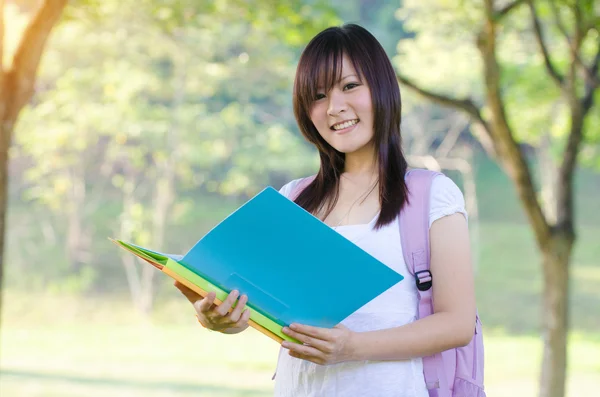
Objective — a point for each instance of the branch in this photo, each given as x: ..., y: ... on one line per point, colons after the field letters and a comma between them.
x: 1, y: 41
x: 438, y: 163
x: 594, y: 22
x: 574, y: 45
x: 510, y: 154
x: 464, y: 105
x: 564, y: 219
x: 559, y: 22
x: 3, y: 96
x: 593, y: 81
x: 21, y: 75
x: 579, y: 110
x: 498, y: 15
x: 452, y: 136
x: 558, y: 79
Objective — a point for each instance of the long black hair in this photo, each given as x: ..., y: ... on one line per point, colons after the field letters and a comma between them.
x: 321, y: 60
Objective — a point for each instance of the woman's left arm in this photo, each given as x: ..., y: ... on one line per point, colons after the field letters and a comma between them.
x: 451, y: 325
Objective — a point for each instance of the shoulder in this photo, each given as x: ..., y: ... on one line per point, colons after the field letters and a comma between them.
x: 290, y: 188
x: 445, y: 199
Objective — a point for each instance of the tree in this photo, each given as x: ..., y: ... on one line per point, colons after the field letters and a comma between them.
x: 435, y: 143
x: 190, y: 105
x: 569, y: 81
x: 17, y: 83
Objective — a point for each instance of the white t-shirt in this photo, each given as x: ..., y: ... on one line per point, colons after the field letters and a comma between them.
x: 395, y: 307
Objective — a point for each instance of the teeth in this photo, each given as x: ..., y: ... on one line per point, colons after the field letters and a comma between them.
x: 345, y: 125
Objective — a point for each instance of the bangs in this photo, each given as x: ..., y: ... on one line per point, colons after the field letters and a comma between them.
x: 327, y: 71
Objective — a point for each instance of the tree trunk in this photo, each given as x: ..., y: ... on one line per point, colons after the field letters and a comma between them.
x: 127, y: 229
x: 78, y: 239
x: 547, y: 170
x: 6, y: 129
x: 553, y: 226
x: 164, y: 188
x: 16, y: 88
x: 555, y: 320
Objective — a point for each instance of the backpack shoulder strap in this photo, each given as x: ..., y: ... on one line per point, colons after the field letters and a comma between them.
x: 414, y: 234
x: 414, y: 223
x: 414, y: 237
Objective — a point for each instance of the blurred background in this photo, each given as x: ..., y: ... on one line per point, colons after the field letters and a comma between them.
x: 151, y: 120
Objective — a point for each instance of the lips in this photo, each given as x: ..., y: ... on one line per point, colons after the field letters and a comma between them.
x: 346, y: 130
x: 342, y: 125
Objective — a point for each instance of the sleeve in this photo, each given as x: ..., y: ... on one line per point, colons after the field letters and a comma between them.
x: 446, y: 199
x: 287, y: 189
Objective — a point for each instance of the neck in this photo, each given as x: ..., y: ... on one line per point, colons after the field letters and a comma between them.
x: 361, y: 163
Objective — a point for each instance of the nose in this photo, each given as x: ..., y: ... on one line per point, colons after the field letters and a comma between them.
x: 337, y: 103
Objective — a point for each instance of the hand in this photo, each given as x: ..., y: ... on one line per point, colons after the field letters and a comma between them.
x: 218, y: 317
x: 324, y: 346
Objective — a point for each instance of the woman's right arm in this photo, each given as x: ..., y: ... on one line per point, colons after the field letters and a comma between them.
x: 218, y: 317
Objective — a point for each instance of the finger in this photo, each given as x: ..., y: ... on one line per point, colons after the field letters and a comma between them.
x: 191, y: 295
x: 313, y: 332
x: 244, y: 318
x: 239, y: 308
x: 224, y: 307
x: 306, y: 353
x: 305, y: 339
x: 203, y: 306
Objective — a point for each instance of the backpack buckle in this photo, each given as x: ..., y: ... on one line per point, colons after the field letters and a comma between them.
x: 424, y: 280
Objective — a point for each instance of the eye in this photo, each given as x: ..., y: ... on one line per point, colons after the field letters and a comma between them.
x: 351, y: 85
x: 319, y: 96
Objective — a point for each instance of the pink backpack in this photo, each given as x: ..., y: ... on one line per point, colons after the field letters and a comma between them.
x: 456, y: 372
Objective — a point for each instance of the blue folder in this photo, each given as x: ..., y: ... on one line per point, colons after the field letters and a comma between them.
x: 292, y: 266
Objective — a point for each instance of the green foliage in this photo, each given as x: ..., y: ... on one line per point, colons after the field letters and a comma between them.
x: 129, y: 92
x: 443, y: 55
x: 134, y: 92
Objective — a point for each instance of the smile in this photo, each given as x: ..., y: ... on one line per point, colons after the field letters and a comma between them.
x: 345, y: 126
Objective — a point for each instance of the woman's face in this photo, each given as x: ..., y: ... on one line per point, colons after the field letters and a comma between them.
x: 344, y: 115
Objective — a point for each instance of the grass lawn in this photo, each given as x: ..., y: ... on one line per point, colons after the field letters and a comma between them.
x: 52, y: 345
x: 99, y: 360
x: 509, y: 279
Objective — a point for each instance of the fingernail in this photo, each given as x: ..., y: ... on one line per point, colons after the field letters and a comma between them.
x: 235, y: 293
x: 285, y: 329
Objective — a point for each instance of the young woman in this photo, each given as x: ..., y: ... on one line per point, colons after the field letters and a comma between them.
x: 347, y: 103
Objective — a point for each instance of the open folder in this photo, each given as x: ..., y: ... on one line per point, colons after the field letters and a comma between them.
x: 292, y: 266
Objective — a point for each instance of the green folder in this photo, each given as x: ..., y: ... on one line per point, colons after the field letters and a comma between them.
x: 170, y: 266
